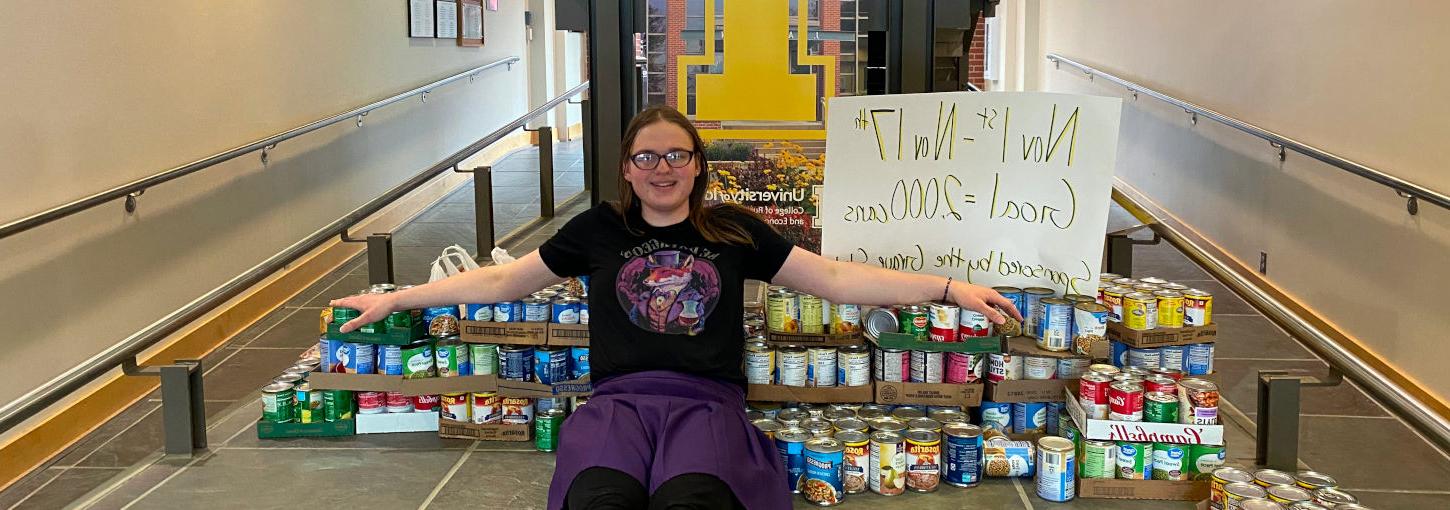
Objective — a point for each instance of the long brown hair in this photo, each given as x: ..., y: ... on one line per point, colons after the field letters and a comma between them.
x: 719, y: 223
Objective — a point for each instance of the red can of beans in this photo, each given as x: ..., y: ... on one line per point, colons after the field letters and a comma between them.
x: 1125, y: 401
x: 1161, y: 383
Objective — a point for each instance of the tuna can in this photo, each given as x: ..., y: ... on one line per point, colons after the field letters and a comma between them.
x: 417, y: 360
x: 441, y: 320
x: 878, y: 321
x: 371, y: 402
x: 1198, y: 359
x: 1160, y: 407
x: 478, y: 312
x: 551, y: 364
x: 1313, y: 480
x: 1072, y: 368
x: 1197, y: 307
x: 962, y: 368
x: 1135, y: 460
x: 782, y: 312
x: 942, y: 322
x: 973, y: 324
x: 507, y: 312
x: 791, y: 445
x: 309, y: 403
x: 565, y: 310
x: 1125, y: 401
x: 357, y: 358
x: 926, y: 367
x: 822, y: 483
x: 517, y: 411
x: 1170, y: 308
x: 1029, y: 417
x: 1018, y: 297
x: 913, y: 321
x: 1033, y: 312
x: 1140, y: 311
x: 923, y: 455
x: 1054, y: 326
x: 452, y: 358
x: 768, y: 427
x: 279, y: 403
x: 337, y: 405
x: 855, y: 460
x: 791, y: 363
x: 1005, y: 458
x: 390, y: 359
x: 1203, y: 459
x: 812, y: 310
x: 887, y: 463
x: 845, y: 319
x: 1272, y: 477
x: 1334, y: 498
x: 546, y: 429
x: 1168, y: 461
x: 1160, y: 383
x: 1112, y: 298
x: 516, y: 363
x: 1099, y: 459
x: 1089, y: 328
x: 1235, y: 494
x: 536, y: 309
x: 892, y: 365
x: 397, y: 402
x: 1220, y: 478
x: 821, y: 369
x: 451, y: 406
x: 818, y: 427
x: 759, y: 363
x: 1003, y: 367
x: 996, y: 415
x: 1148, y: 357
x: 1056, y: 469
x: 853, y: 366
x: 1288, y: 494
x: 484, y: 358
x: 487, y: 407
x: 1198, y: 401
x: 1039, y: 368
x: 962, y: 452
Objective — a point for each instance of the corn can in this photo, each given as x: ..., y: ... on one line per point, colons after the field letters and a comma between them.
x: 1170, y: 308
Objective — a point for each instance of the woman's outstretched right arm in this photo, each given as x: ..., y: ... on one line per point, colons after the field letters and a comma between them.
x: 489, y: 284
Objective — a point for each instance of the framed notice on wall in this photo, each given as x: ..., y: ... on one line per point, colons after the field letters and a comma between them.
x: 420, y: 18
x: 447, y: 13
x: 470, y: 23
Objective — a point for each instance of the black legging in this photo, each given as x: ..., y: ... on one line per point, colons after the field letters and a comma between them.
x: 600, y: 488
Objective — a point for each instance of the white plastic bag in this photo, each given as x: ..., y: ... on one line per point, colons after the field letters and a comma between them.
x: 501, y: 256
x: 455, y: 260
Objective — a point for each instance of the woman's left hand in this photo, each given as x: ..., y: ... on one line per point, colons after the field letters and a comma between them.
x: 984, y: 300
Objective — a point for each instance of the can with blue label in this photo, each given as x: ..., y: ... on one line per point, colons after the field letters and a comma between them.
x: 543, y: 404
x: 1197, y: 359
x: 791, y: 443
x: 536, y: 309
x: 578, y: 362
x: 507, y: 312
x: 1054, y: 418
x: 821, y: 483
x: 996, y: 415
x: 1149, y: 358
x: 962, y: 451
x: 565, y: 311
x: 1029, y: 417
x: 1118, y: 353
x: 551, y: 364
x: 1056, y: 469
x: 441, y: 320
x: 1172, y: 356
x: 1034, y: 312
x: 584, y: 310
x: 358, y: 358
x: 1019, y: 298
x: 390, y: 359
x: 327, y: 351
x: 516, y: 362
x: 478, y: 312
x: 1054, y: 327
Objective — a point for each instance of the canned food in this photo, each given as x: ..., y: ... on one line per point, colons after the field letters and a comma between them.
x: 565, y: 310
x: 484, y: 358
x: 547, y: 294
x: 516, y: 362
x: 452, y: 358
x: 551, y: 364
x: 791, y: 443
x: 818, y: 427
x: 1140, y: 311
x: 1089, y: 328
x: 1056, y: 480
x: 1005, y: 458
x: 1287, y: 494
x: 853, y: 366
x: 782, y: 312
x: 1261, y: 504
x: 1313, y: 480
x: 892, y: 365
x: 371, y: 402
x: 356, y: 358
x: 1018, y: 297
x: 759, y: 363
x: 924, y: 424
x: 822, y: 483
x: 1099, y: 459
x: 1033, y: 312
x: 1118, y: 353
x: 768, y: 426
x: 1029, y: 417
x: 1135, y: 460
x: 1197, y: 307
x: 537, y: 309
x: 1160, y: 407
x: 1199, y: 402
x: 926, y: 367
x: 397, y: 402
x: 1235, y: 494
x: 1203, y: 459
x: 908, y: 413
x: 1272, y: 477
x: 1039, y: 368
x: 845, y: 319
x: 792, y: 417
x: 390, y: 359
x: 1310, y: 505
x: 279, y: 403
x: 478, y: 312
x: 1103, y: 369
x: 973, y: 324
x: 1198, y: 359
x: 337, y: 405
x: 942, y: 322
x: 1160, y: 383
x: 791, y: 363
x: 517, y: 411
x: 1334, y: 498
x: 451, y: 406
x: 546, y: 429
x: 1004, y: 367
x: 508, y: 312
x: 578, y: 362
x: 1171, y: 356
x: 1147, y: 288
x: 584, y: 310
x: 850, y: 423
x: 1055, y: 417
x: 996, y: 415
x: 923, y: 452
x: 855, y: 459
x: 962, y: 451
x: 1072, y: 368
x: 1112, y: 298
x: 290, y: 378
x: 821, y: 368
x: 1221, y: 477
x: 1170, y: 308
x: 1145, y: 357
x: 962, y: 367
x: 441, y: 320
x: 1054, y: 326
x: 888, y: 463
x: 880, y: 320
x: 1125, y: 401
x: 309, y: 403
x: 870, y: 412
x: 913, y: 321
x: 945, y: 416
x: 486, y: 407
x: 1168, y: 461
x: 342, y: 315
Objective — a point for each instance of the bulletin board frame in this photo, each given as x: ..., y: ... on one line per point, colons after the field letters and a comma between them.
x: 471, y: 22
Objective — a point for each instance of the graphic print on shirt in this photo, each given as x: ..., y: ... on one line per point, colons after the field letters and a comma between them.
x: 668, y: 291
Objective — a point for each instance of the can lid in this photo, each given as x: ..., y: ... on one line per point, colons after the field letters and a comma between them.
x: 1153, y: 280
x: 1316, y: 479
x: 793, y: 435
x: 1290, y: 493
x: 1196, y: 293
x: 288, y: 378
x: 852, y: 423
x: 1055, y: 444
x: 536, y: 300
x: 1245, y: 490
x: 767, y: 424
x: 922, y: 435
x: 1334, y: 497
x: 1161, y: 397
x: 1127, y: 386
x: 1139, y: 296
x: 303, y: 387
x: 1038, y: 291
x: 946, y: 416
x: 835, y: 413
x: 1093, y: 307
x: 551, y: 413
x: 959, y: 429
x: 1196, y: 384
x: 907, y: 413
x: 851, y: 436
x: 886, y: 436
x: 814, y: 424
x: 824, y: 445
x: 923, y: 423
x: 1168, y: 294
x: 277, y: 387
x: 1007, y: 289
x: 1259, y: 504
x: 888, y: 424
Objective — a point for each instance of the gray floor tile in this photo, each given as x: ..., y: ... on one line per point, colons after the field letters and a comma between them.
x: 67, y: 488
x: 1388, y: 500
x: 133, y: 486
x: 312, y: 295
x: 499, y: 480
x: 1372, y: 454
x: 299, y: 330
x: 20, y: 489
x: 447, y: 213
x: 262, y: 325
x: 248, y: 370
x: 1164, y: 261
x: 1255, y: 337
x: 521, y: 176
x: 278, y: 478
x: 125, y: 420
x: 435, y: 234
x: 1239, y: 382
x: 408, y: 440
x: 346, y: 286
x: 138, y: 442
x: 516, y: 194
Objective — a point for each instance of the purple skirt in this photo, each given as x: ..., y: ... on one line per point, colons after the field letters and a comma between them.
x: 657, y: 425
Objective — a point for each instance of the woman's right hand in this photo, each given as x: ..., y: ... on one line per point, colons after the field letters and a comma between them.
x: 372, y: 308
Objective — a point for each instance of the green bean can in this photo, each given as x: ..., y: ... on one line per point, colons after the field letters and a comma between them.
x: 1160, y: 407
x: 1099, y: 459
x: 485, y: 358
x: 279, y: 404
x: 403, y: 319
x: 546, y: 429
x: 1170, y: 462
x: 1203, y: 459
x: 1135, y: 460
x: 309, y: 403
x: 336, y: 405
x: 913, y: 321
x: 342, y: 315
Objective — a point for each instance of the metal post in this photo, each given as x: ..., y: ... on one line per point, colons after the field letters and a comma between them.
x: 183, y: 402
x: 1278, y: 421
x: 483, y: 208
x: 380, y: 258
x: 1118, y: 258
x: 546, y: 172
x: 588, y: 150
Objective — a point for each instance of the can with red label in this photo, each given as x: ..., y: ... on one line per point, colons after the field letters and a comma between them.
x: 892, y: 365
x: 1155, y: 382
x: 487, y: 407
x: 914, y: 321
x: 455, y: 406
x: 1093, y: 395
x: 425, y: 403
x: 517, y: 411
x: 926, y: 367
x: 973, y: 324
x: 371, y: 402
x: 1125, y: 401
x: 963, y: 367
x: 942, y: 322
x: 397, y: 402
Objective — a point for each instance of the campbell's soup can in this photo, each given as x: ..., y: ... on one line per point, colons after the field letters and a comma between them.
x: 1093, y: 395
x: 397, y: 402
x: 371, y: 402
x: 973, y: 324
x: 426, y: 403
x: 1162, y: 383
x: 1003, y: 367
x: 926, y: 367
x: 1032, y: 316
x: 1125, y: 401
x: 892, y: 365
x: 853, y: 366
x: 455, y: 406
x: 942, y: 322
x: 517, y: 411
x: 962, y: 367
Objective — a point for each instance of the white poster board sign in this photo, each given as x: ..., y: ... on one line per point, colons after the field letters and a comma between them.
x: 995, y: 188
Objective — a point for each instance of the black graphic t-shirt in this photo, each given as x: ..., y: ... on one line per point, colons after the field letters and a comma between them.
x: 663, y: 298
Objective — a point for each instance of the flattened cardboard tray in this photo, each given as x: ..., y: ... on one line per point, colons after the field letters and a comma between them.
x: 1191, y: 490
x: 269, y: 430
x: 575, y: 388
x: 906, y: 342
x: 1108, y: 430
x: 511, y: 333
x: 572, y: 335
x: 1161, y: 336
x: 1028, y: 390
x: 378, y: 382
x: 1028, y: 346
x: 779, y: 393
x: 392, y: 336
x: 933, y: 394
x: 387, y: 423
x: 810, y: 339
x: 484, y: 432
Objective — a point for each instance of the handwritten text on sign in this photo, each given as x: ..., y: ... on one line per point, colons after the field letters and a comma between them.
x: 997, y: 188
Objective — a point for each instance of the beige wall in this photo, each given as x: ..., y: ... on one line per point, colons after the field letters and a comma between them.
x: 1356, y: 79
x: 99, y: 93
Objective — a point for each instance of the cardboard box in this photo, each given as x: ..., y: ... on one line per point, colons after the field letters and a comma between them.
x: 269, y: 430
x: 1109, y: 430
x: 1028, y: 346
x: 512, y: 333
x: 809, y: 339
x: 484, y: 432
x: 779, y: 393
x: 387, y: 423
x: 1093, y: 488
x: 572, y: 335
x: 427, y: 386
x: 576, y: 388
x: 910, y: 343
x: 1160, y: 337
x: 390, y: 336
x: 932, y: 394
x: 1028, y: 390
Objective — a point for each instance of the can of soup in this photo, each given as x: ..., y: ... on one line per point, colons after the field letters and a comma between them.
x: 962, y: 451
x: 1003, y: 367
x: 892, y: 365
x: 855, y: 459
x: 791, y: 363
x: 791, y: 443
x: 963, y: 367
x: 942, y: 322
x: 1093, y: 395
x: 923, y: 453
x: 441, y: 320
x: 853, y: 366
x: 822, y: 483
x: 484, y: 358
x: 1125, y: 401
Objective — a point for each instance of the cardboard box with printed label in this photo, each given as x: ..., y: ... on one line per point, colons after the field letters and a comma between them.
x: 1108, y: 430
x: 575, y: 388
x: 812, y: 340
x: 1190, y: 490
x: 424, y: 386
x: 932, y: 394
x: 1027, y: 390
x: 571, y: 335
x: 485, y: 432
x: 780, y: 393
x: 511, y: 333
x: 1162, y: 336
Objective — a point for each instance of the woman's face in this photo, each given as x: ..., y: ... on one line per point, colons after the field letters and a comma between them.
x: 664, y: 188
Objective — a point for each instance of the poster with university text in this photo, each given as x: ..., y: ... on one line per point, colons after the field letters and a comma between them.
x: 995, y: 188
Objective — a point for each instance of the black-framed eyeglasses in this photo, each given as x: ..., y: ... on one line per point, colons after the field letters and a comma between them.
x: 647, y: 160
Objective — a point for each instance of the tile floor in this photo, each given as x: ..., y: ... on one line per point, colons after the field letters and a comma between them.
x: 119, y: 466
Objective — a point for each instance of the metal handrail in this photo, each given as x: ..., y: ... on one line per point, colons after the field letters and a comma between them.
x: 57, y: 388
x: 1406, y: 189
x: 140, y: 185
